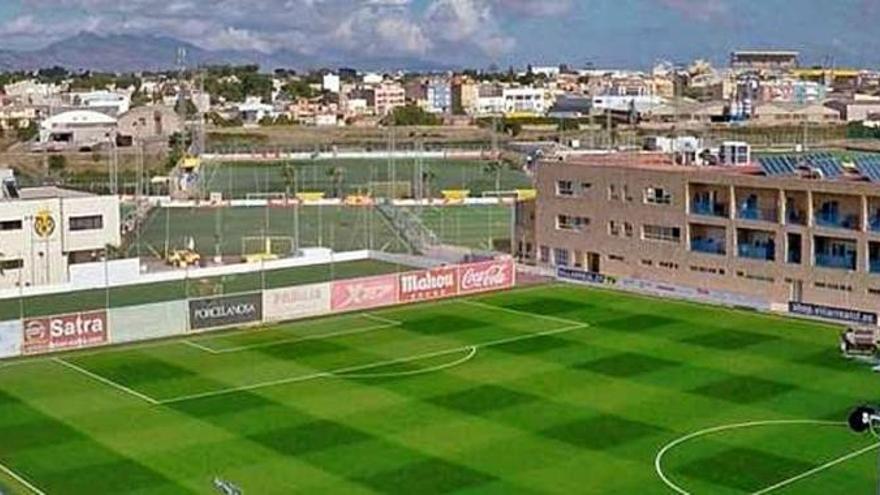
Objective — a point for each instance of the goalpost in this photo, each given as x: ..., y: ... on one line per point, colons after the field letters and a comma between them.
x: 269, y: 247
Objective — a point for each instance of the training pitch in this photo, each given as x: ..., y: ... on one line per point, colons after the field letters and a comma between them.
x: 549, y: 389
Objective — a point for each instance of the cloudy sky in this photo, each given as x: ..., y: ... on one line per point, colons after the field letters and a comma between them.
x: 472, y: 32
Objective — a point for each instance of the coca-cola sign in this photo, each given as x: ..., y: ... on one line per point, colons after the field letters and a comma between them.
x: 363, y: 293
x: 428, y: 284
x: 486, y: 276
x: 225, y: 311
x: 65, y: 332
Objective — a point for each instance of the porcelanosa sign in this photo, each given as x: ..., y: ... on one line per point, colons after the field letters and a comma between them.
x: 225, y: 311
x: 64, y: 332
x: 429, y: 284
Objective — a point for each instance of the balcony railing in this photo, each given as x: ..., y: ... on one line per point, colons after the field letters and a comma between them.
x: 845, y: 262
x: 709, y: 246
x: 709, y: 209
x: 757, y: 252
x: 760, y: 214
x: 847, y: 222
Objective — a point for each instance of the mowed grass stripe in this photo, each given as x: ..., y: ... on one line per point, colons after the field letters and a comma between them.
x: 564, y: 412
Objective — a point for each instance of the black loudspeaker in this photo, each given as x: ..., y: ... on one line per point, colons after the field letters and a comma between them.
x: 860, y: 419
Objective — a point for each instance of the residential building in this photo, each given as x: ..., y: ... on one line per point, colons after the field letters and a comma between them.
x: 387, y: 96
x: 781, y: 232
x: 331, y: 83
x: 77, y: 130
x: 764, y: 60
x: 526, y: 100
x: 439, y: 96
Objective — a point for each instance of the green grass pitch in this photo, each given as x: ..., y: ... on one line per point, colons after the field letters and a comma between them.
x: 553, y: 389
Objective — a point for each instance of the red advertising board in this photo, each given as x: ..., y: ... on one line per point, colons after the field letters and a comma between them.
x: 64, y: 332
x: 364, y: 293
x: 486, y: 276
x: 428, y: 284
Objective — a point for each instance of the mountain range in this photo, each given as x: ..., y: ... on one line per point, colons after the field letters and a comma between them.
x: 133, y: 53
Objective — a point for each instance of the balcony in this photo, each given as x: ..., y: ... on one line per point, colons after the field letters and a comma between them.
x: 764, y: 252
x: 834, y: 220
x: 839, y: 262
x: 837, y: 214
x: 795, y: 217
x: 757, y: 214
x: 709, y: 209
x: 708, y: 246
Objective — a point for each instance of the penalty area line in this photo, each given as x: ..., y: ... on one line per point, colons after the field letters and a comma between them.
x: 21, y: 480
x: 105, y: 380
x: 817, y: 469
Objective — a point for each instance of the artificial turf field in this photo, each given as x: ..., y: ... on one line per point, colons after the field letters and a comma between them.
x: 549, y: 389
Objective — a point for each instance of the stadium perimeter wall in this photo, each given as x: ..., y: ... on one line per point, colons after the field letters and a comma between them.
x: 102, y: 327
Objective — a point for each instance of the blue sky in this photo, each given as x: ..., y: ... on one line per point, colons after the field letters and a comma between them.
x: 473, y: 32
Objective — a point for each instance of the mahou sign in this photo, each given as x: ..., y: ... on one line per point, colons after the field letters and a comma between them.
x: 225, y: 311
x: 485, y: 276
x: 429, y: 284
x: 63, y: 332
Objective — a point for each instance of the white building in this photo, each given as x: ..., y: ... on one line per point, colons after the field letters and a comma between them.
x: 373, y: 78
x: 44, y: 230
x: 490, y: 105
x: 78, y: 130
x: 110, y: 102
x: 525, y: 100
x: 331, y: 83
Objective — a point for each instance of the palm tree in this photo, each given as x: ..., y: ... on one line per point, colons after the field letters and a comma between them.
x: 495, y: 167
x: 337, y: 174
x: 288, y: 173
x: 427, y: 181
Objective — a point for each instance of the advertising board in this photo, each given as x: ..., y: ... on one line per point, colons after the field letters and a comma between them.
x: 224, y: 311
x: 10, y: 338
x: 579, y: 276
x: 363, y: 293
x: 291, y: 303
x: 486, y: 276
x: 65, y: 332
x: 148, y: 321
x: 430, y: 284
x: 832, y: 313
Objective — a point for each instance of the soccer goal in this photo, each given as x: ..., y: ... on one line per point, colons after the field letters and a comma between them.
x: 259, y: 248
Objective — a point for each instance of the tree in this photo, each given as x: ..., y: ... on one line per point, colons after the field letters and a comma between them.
x: 27, y: 133
x: 337, y: 175
x: 57, y: 165
x: 494, y: 168
x: 410, y: 115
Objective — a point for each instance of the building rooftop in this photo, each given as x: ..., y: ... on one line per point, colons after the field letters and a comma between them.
x: 813, y: 166
x: 50, y: 192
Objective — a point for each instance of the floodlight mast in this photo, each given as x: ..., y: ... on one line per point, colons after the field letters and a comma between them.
x: 867, y: 418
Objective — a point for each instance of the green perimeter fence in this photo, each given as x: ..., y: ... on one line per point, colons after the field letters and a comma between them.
x: 221, y: 230
x: 190, y: 287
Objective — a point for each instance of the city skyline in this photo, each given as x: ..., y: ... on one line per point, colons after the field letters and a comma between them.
x: 471, y: 32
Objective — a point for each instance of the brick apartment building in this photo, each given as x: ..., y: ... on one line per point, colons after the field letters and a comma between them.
x: 786, y: 232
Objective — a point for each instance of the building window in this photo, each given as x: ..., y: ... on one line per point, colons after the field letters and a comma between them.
x: 92, y: 222
x: 564, y: 188
x: 567, y: 222
x: 560, y: 257
x: 613, y: 228
x: 585, y: 186
x: 544, y: 254
x: 616, y: 257
x: 612, y: 192
x: 706, y: 269
x: 10, y: 225
x: 11, y: 264
x: 648, y: 262
x: 661, y: 233
x: 668, y: 265
x: 657, y: 196
x: 833, y: 286
x: 755, y: 277
x: 627, y: 229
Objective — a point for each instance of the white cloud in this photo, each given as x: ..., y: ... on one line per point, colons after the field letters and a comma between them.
x: 369, y: 27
